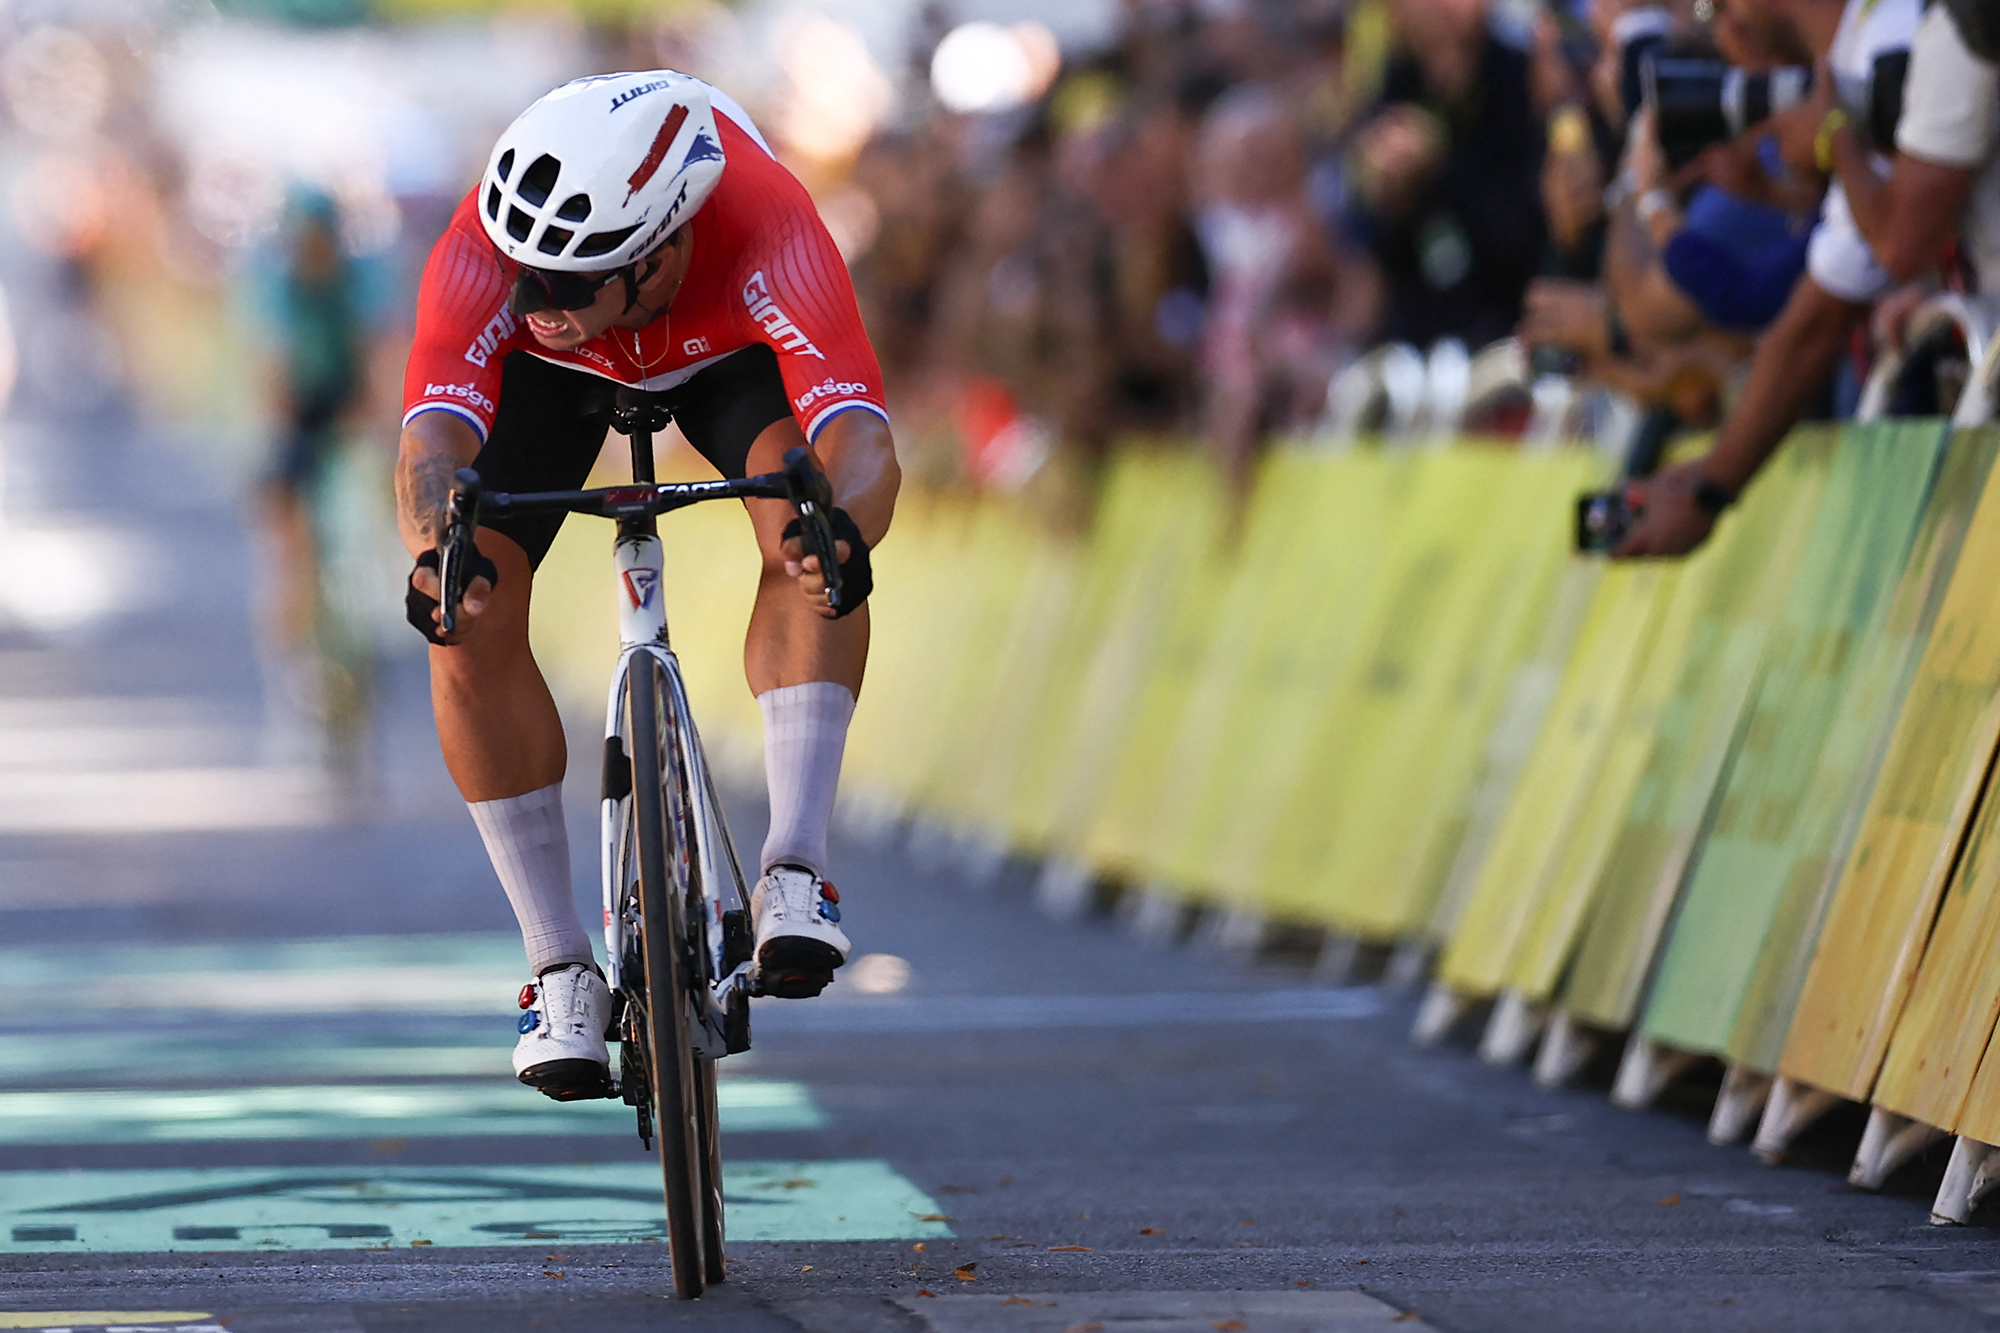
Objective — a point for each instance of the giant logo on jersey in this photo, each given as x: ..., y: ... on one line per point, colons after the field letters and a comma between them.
x: 777, y: 325
x: 498, y: 330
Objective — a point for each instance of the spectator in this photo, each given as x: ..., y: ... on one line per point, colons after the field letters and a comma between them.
x: 1272, y: 341
x: 1797, y: 358
x: 1445, y: 179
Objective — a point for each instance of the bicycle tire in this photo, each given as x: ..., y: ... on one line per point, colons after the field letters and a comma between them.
x: 709, y: 1122
x: 670, y: 1051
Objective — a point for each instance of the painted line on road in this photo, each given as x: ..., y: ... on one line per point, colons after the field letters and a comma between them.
x: 1316, y: 1311
x: 363, y: 1111
x: 1003, y: 1013
x: 256, y: 1209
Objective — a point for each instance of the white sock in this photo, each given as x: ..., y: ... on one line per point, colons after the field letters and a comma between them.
x: 529, y: 845
x: 805, y: 731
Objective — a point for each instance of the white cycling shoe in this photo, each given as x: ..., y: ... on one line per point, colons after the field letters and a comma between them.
x: 799, y: 940
x: 565, y: 1012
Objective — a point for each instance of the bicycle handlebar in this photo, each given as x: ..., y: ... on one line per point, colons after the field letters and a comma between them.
x: 804, y: 485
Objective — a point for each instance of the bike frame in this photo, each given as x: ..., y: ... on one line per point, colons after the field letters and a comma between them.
x: 638, y: 561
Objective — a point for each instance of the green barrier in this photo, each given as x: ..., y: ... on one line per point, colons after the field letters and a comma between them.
x: 1881, y: 476
x: 1562, y: 896
x: 1361, y: 842
x: 1758, y: 548
x: 1883, y: 908
x: 1847, y: 766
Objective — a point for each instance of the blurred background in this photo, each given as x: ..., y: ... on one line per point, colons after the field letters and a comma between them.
x: 1220, y: 225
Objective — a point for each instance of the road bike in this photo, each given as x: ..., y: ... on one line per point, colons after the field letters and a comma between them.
x: 679, y: 946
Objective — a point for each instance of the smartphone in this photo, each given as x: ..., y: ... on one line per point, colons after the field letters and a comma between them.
x: 1602, y: 520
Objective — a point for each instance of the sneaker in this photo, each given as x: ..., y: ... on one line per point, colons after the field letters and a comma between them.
x: 799, y: 940
x: 564, y: 1014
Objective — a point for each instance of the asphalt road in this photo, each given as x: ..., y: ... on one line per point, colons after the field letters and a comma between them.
x: 253, y: 1067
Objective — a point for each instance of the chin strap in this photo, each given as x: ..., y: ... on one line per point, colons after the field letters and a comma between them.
x: 632, y: 284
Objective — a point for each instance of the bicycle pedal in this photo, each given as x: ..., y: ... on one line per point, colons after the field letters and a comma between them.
x: 793, y: 985
x: 571, y: 1080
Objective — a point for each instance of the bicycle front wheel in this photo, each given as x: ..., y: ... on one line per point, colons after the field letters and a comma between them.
x: 677, y: 1103
x: 709, y: 1139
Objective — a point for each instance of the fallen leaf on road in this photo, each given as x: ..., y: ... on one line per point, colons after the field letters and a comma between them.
x: 1003, y: 1238
x: 1023, y: 1300
x: 1360, y: 1261
x: 1301, y: 1282
x: 1230, y: 1325
x: 807, y: 1269
x: 553, y: 1272
x: 1670, y: 1201
x: 1247, y: 1222
x: 1149, y: 1231
x: 1069, y: 1249
x: 554, y: 1258
x: 964, y: 1273
x: 918, y: 1246
x: 1092, y: 1327
x: 419, y: 1242
x: 922, y: 1292
x: 933, y: 1217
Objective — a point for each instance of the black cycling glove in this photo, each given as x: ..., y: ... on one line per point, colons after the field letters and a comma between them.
x: 857, y: 578
x: 421, y: 608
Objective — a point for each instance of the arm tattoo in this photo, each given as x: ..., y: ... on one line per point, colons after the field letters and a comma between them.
x: 427, y: 491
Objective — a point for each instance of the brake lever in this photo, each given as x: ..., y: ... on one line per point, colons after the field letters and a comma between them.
x: 454, y: 552
x: 812, y: 495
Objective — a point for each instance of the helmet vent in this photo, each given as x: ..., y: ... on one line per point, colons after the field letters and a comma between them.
x: 538, y: 180
x: 506, y: 164
x: 493, y: 202
x: 519, y: 224
x: 575, y: 208
x: 603, y: 242
x: 553, y: 240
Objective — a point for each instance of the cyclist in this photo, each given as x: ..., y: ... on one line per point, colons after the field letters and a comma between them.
x: 635, y: 229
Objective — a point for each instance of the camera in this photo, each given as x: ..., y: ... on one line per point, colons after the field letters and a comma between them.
x: 1698, y: 103
x: 1602, y: 520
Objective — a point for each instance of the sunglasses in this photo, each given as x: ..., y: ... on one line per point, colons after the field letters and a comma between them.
x: 538, y: 289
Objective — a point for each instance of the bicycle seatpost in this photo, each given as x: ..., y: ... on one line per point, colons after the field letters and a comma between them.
x: 637, y: 414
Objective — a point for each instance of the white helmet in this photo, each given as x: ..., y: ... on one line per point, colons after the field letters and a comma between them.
x: 598, y: 172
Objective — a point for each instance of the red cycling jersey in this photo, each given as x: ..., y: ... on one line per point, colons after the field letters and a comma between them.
x: 764, y: 271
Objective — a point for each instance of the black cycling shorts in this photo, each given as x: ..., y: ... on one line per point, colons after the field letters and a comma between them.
x: 552, y: 420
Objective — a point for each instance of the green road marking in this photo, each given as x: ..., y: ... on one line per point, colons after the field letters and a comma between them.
x: 363, y: 1111
x: 129, y: 1056
x: 306, y: 1208
x: 436, y: 974
x: 181, y: 1321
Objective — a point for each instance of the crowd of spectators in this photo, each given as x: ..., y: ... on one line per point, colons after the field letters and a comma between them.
x: 1195, y: 229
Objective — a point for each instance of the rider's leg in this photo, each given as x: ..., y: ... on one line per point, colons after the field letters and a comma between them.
x: 503, y: 743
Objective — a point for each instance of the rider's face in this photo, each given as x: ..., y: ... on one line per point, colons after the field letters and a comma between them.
x: 659, y: 279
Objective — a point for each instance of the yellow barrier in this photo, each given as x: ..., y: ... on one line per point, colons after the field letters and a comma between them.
x: 1385, y: 700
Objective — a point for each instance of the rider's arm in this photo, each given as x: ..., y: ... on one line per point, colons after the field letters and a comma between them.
x: 859, y: 457
x: 435, y: 445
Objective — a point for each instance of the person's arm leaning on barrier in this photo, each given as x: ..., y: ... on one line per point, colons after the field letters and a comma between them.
x: 1946, y: 135
x: 1794, y: 361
